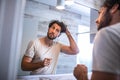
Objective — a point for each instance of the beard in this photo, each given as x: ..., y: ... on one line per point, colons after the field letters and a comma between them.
x: 106, y: 19
x: 51, y: 36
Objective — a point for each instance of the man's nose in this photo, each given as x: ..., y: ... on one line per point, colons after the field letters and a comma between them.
x: 53, y: 30
x: 96, y: 20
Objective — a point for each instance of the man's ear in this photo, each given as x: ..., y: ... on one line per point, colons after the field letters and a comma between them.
x: 114, y: 8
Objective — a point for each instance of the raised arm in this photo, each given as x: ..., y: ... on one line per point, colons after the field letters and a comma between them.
x: 73, y: 48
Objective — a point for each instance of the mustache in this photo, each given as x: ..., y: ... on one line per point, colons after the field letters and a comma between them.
x: 51, y: 33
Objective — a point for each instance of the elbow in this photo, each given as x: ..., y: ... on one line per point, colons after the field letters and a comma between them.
x: 23, y: 67
x: 76, y: 51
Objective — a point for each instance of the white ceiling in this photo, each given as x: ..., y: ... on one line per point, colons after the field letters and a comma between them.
x: 78, y: 6
x: 95, y: 4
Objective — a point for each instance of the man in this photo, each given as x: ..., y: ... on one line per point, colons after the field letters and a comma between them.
x: 42, y: 54
x: 106, y: 50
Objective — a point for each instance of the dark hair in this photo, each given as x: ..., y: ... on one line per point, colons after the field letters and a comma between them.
x: 110, y: 3
x: 61, y: 24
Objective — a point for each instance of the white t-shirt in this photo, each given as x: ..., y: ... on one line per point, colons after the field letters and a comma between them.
x: 38, y: 52
x: 106, y: 50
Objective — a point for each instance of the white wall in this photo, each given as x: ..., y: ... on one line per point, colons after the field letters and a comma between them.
x: 11, y: 14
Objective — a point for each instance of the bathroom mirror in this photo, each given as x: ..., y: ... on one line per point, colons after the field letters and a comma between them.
x: 38, y: 14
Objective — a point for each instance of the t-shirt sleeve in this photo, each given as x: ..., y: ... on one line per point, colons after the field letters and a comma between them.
x: 30, y: 51
x: 104, y: 56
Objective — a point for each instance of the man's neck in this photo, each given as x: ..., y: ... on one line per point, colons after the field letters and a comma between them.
x: 48, y: 42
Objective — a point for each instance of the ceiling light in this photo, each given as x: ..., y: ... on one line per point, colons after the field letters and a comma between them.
x: 60, y: 4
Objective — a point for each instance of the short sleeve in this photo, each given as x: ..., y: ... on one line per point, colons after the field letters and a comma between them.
x: 30, y: 51
x: 105, y: 54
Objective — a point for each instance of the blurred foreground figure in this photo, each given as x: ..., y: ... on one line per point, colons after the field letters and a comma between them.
x: 106, y: 50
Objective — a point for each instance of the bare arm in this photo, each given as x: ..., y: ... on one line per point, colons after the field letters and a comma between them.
x: 27, y: 64
x: 97, y: 75
x: 73, y: 48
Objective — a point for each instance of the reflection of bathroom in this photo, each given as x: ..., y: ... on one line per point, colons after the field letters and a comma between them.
x: 37, y: 14
x: 36, y: 18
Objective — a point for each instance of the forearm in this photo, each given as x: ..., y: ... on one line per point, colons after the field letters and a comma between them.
x: 31, y: 66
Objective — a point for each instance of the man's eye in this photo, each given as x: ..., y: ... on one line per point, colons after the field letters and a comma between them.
x: 53, y: 27
x: 58, y: 30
